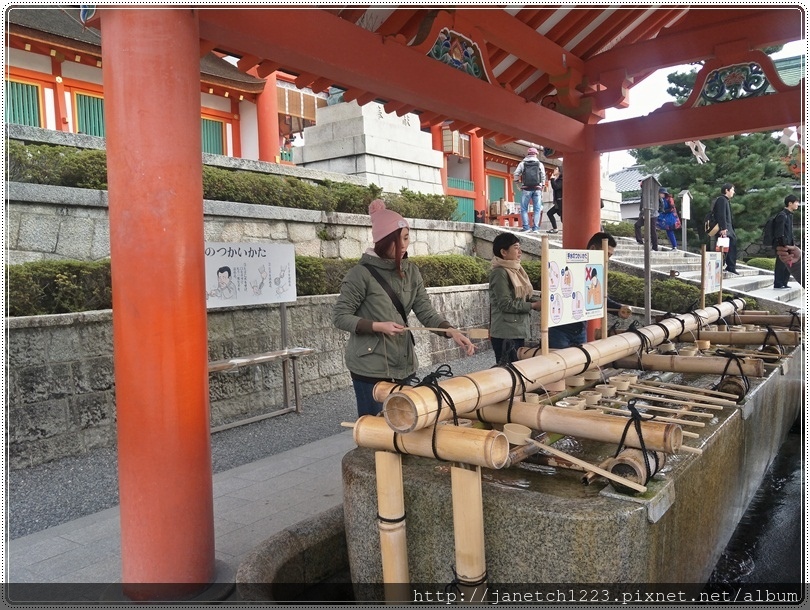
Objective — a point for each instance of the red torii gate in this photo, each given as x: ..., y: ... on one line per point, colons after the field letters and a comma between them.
x: 156, y: 229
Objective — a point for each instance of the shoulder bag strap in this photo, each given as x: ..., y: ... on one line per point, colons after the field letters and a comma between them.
x: 391, y: 294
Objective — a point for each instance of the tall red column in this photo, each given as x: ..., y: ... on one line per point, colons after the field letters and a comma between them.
x: 478, y: 172
x: 152, y: 113
x: 582, y: 187
x: 267, y: 120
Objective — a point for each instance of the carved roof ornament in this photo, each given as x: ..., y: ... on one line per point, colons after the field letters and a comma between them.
x: 735, y: 76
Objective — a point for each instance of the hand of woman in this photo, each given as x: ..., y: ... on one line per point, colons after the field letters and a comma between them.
x: 537, y: 305
x: 388, y: 328
x: 461, y: 340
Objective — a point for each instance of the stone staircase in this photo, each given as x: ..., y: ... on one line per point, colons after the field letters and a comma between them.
x: 629, y: 257
x: 750, y: 281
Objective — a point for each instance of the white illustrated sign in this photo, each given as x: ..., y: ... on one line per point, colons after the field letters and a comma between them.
x: 713, y: 267
x: 576, y: 285
x: 249, y: 274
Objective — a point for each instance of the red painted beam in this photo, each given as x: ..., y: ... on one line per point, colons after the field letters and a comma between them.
x: 365, y: 61
x: 769, y: 27
x: 766, y: 113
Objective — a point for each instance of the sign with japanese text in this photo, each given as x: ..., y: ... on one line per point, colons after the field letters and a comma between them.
x: 249, y: 274
x: 713, y: 271
x: 576, y: 281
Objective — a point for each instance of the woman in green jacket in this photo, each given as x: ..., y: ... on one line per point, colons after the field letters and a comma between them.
x: 379, y: 347
x: 510, y: 299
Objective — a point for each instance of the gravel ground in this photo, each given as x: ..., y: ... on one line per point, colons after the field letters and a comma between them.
x: 63, y: 490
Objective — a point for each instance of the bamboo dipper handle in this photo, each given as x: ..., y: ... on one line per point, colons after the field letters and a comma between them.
x: 590, y: 467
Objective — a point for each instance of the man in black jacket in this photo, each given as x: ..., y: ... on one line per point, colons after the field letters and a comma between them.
x: 722, y: 214
x: 783, y: 236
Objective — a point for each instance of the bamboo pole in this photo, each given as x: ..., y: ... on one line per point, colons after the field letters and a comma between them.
x: 584, y: 424
x: 699, y: 390
x: 658, y: 418
x: 743, y: 337
x: 715, y: 402
x: 605, y: 256
x: 466, y: 445
x: 414, y: 408
x: 772, y: 319
x: 472, y: 333
x: 589, y: 466
x: 703, y: 276
x: 391, y: 524
x: 545, y: 294
x: 664, y: 409
x: 468, y: 527
x: 706, y: 365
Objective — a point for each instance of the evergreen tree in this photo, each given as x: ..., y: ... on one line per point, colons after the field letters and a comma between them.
x: 754, y: 163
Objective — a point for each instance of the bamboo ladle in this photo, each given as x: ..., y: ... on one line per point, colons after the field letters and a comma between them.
x: 472, y: 333
x: 587, y: 466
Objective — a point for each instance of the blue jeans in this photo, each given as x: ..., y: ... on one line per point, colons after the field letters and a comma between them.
x: 534, y: 196
x: 567, y: 335
x: 366, y: 405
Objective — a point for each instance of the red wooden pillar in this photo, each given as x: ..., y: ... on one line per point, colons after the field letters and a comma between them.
x: 582, y: 188
x: 152, y: 113
x: 267, y: 119
x: 479, y: 177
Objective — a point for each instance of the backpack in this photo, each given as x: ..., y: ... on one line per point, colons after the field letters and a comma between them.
x: 530, y: 178
x: 710, y: 225
x: 768, y: 236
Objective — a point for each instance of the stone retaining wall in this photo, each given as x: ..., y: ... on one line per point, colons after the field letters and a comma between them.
x: 51, y: 222
x: 61, y: 386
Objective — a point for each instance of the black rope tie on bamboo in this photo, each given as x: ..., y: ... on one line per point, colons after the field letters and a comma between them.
x: 732, y: 357
x: 391, y: 521
x: 431, y: 380
x: 587, y: 358
x: 769, y: 332
x: 645, y: 344
x: 665, y: 329
x: 734, y: 316
x: 794, y: 318
x: 516, y: 375
x: 453, y: 585
x: 635, y: 420
x: 672, y: 316
x: 719, y: 313
x: 409, y: 381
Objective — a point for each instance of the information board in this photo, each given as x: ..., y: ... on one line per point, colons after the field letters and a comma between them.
x: 576, y: 281
x: 249, y: 274
x: 713, y: 271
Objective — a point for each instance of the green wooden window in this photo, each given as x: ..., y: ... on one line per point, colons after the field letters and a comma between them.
x: 213, y: 140
x: 22, y: 104
x: 465, y: 211
x: 90, y: 115
x: 497, y: 188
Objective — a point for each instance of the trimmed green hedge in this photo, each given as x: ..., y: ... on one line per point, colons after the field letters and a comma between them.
x: 60, y: 286
x: 768, y: 264
x: 67, y: 166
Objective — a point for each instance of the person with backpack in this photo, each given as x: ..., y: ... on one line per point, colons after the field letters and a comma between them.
x: 375, y: 299
x: 782, y: 235
x: 532, y: 177
x: 721, y: 210
x: 668, y: 217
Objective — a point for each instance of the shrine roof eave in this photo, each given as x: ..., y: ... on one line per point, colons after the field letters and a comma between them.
x: 671, y: 125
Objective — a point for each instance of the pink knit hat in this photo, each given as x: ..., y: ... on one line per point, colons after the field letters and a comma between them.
x: 384, y: 221
x: 531, y: 151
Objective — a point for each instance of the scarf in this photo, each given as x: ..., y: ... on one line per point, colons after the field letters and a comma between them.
x: 517, y: 275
